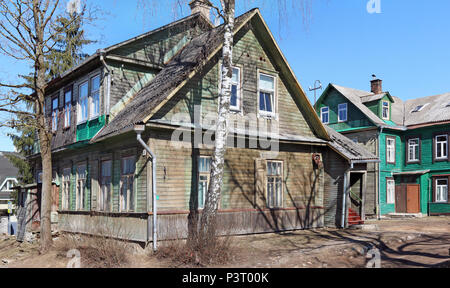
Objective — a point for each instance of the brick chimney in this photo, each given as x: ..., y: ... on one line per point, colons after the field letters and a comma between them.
x: 376, y: 85
x: 201, y: 6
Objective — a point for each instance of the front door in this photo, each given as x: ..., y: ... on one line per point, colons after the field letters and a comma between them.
x: 407, y: 198
x: 413, y: 198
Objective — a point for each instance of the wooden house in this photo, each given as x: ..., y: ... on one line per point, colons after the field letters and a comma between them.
x: 149, y: 99
x: 411, y: 138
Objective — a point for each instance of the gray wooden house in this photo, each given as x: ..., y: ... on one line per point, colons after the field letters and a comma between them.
x: 147, y: 101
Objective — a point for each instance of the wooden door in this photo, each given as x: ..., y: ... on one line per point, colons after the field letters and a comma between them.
x: 400, y: 199
x: 413, y: 198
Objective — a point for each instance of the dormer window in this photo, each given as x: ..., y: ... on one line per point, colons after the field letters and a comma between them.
x: 386, y: 111
x: 343, y: 112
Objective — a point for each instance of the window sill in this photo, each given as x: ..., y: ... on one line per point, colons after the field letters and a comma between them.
x: 267, y: 116
x: 413, y: 162
x: 441, y: 159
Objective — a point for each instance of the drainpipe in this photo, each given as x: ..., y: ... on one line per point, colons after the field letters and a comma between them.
x: 379, y: 175
x: 108, y: 85
x: 344, y: 199
x: 139, y: 129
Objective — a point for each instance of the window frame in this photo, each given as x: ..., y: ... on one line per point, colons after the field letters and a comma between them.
x: 131, y: 194
x: 274, y: 98
x: 81, y: 195
x: 105, y: 206
x: 419, y: 154
x: 435, y: 144
x: 390, y: 198
x: 200, y: 174
x: 81, y: 120
x: 389, y: 161
x: 68, y: 107
x: 437, y: 188
x: 65, y: 185
x: 91, y: 115
x: 55, y: 112
x: 388, y: 110
x: 279, y: 205
x: 322, y: 113
x: 339, y: 112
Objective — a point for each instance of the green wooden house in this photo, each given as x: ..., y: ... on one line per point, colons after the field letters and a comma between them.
x: 127, y: 120
x: 411, y: 139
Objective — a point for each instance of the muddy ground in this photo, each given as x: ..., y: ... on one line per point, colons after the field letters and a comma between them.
x: 399, y: 243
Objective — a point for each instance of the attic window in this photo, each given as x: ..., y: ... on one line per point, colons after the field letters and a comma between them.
x: 419, y: 108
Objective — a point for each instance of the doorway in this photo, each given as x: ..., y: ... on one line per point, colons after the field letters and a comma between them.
x: 407, y: 198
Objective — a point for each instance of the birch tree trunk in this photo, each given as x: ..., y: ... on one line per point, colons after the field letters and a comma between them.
x: 208, y: 220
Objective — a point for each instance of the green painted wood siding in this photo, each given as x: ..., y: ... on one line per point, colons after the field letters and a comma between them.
x: 355, y: 118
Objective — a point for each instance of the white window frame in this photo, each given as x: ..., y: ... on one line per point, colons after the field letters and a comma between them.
x: 238, y: 107
x: 68, y: 108
x: 273, y: 93
x: 6, y: 185
x: 388, y: 110
x: 105, y: 191
x: 441, y: 195
x: 80, y: 115
x: 128, y: 204
x: 442, y: 144
x: 81, y: 183
x: 203, y: 178
x: 343, y: 107
x: 417, y: 158
x: 55, y: 111
x: 279, y: 194
x: 390, y: 191
x: 92, y: 113
x: 390, y: 150
x: 65, y: 183
x: 323, y: 113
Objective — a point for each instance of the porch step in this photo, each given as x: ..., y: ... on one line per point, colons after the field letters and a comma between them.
x: 403, y: 215
x: 354, y: 218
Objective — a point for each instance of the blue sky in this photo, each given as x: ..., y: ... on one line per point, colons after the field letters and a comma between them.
x: 406, y: 45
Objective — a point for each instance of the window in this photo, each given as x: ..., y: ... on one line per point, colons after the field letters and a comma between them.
x: 127, y: 184
x: 441, y: 190
x: 55, y: 114
x: 419, y: 108
x: 385, y: 110
x: 81, y: 187
x: 274, y: 184
x: 39, y: 177
x: 413, y: 150
x: 342, y: 112
x: 66, y: 189
x: 266, y: 95
x: 95, y: 97
x: 235, y: 102
x: 83, y: 102
x: 105, y: 186
x: 390, y: 191
x: 67, y: 108
x: 441, y: 147
x: 204, y: 170
x: 325, y: 115
x: 390, y: 150
x: 8, y: 185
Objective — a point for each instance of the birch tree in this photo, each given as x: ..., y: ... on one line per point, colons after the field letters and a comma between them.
x: 30, y: 32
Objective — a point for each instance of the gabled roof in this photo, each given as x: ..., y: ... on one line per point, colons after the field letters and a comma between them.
x: 348, y: 149
x: 375, y: 97
x: 186, y: 65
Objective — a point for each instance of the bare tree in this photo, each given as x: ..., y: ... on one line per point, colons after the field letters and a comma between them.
x: 225, y: 9
x: 29, y: 34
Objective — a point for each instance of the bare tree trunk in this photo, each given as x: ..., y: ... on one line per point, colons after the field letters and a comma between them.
x: 208, y: 220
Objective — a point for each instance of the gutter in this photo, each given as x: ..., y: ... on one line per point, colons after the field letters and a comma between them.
x: 139, y: 129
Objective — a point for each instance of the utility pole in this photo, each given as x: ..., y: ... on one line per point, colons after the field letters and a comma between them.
x: 315, y: 89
